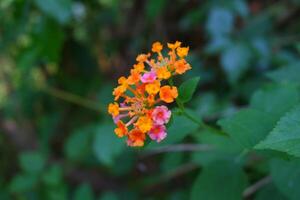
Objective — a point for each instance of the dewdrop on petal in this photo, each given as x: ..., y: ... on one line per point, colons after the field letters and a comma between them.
x: 139, y: 111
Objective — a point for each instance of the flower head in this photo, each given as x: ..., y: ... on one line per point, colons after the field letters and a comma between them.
x: 139, y: 114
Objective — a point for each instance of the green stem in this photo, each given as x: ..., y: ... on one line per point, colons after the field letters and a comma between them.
x: 75, y: 99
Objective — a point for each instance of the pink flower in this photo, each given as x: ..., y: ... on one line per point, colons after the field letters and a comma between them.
x: 148, y: 77
x: 157, y: 132
x: 161, y: 115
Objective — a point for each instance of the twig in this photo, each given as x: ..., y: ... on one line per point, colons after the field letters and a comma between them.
x: 256, y: 186
x: 178, y: 148
x: 75, y: 99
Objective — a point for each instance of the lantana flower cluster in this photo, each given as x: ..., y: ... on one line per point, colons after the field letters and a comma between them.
x: 138, y: 110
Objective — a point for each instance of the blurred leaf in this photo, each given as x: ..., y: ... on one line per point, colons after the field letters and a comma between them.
x: 32, y: 162
x: 77, y: 146
x: 235, y: 61
x: 286, y: 177
x: 53, y: 176
x: 223, y: 149
x: 59, y: 10
x: 22, y: 182
x: 84, y: 191
x: 108, y: 196
x: 107, y: 146
x: 48, y: 39
x: 269, y: 192
x: 171, y: 161
x: 275, y: 100
x: 220, y: 21
x: 187, y: 89
x: 154, y: 8
x: 247, y: 127
x: 288, y: 74
x: 285, y: 136
x: 209, y: 185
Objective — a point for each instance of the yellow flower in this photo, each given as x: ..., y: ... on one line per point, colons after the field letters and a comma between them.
x: 182, y: 51
x: 163, y: 73
x: 175, y: 45
x: 157, y: 47
x: 144, y: 123
x: 153, y: 88
x: 142, y: 57
x: 113, y: 109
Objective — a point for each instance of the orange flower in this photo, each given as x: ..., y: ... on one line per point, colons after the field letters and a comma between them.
x: 139, y: 67
x: 113, y: 109
x: 136, y: 138
x: 121, y: 129
x: 182, y: 51
x: 144, y: 123
x: 168, y: 94
x: 157, y: 47
x: 153, y: 88
x: 181, y: 66
x: 163, y: 73
x: 133, y: 78
x: 175, y: 45
x: 142, y: 57
x: 139, y: 94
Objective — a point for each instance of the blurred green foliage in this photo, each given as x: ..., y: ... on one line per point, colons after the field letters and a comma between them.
x: 60, y: 59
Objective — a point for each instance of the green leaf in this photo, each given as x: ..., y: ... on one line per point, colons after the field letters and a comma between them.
x: 286, y: 176
x: 108, y: 196
x: 235, y: 61
x: 22, y: 182
x: 107, y: 146
x: 285, y: 137
x: 187, y: 89
x: 220, y: 21
x: 275, y: 100
x: 154, y: 8
x: 77, y: 146
x: 32, y: 162
x: 288, y: 74
x: 269, y: 192
x: 247, y: 127
x: 210, y: 185
x: 222, y: 148
x: 58, y: 10
x: 84, y: 191
x: 53, y: 176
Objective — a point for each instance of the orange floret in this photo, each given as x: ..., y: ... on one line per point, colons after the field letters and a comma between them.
x: 113, y: 109
x: 121, y: 129
x: 157, y: 47
x: 163, y: 73
x: 144, y: 123
x: 153, y: 88
x: 182, y: 51
x: 181, y: 66
x: 168, y: 94
x: 136, y: 138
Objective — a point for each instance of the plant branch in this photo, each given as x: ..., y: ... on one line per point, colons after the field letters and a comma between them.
x: 256, y: 186
x: 75, y: 99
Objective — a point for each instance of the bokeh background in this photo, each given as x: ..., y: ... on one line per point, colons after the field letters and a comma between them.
x: 60, y: 59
